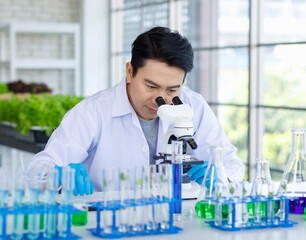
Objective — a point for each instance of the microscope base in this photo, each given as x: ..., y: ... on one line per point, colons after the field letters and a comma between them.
x: 190, y: 190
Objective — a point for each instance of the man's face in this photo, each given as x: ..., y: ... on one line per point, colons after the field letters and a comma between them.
x: 152, y: 80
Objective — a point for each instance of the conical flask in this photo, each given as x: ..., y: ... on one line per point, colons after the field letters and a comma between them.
x: 215, y: 172
x: 295, y: 172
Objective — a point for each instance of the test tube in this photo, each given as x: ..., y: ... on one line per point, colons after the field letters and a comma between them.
x: 244, y: 206
x: 52, y: 183
x: 151, y: 218
x: 18, y: 196
x: 177, y: 160
x: 218, y: 212
x: 3, y: 200
x: 125, y: 194
x: 282, y: 208
x: 270, y: 203
x: 257, y: 208
x: 232, y: 191
x: 139, y: 211
x: 68, y: 182
x: 35, y: 185
x: 109, y: 182
x: 166, y: 194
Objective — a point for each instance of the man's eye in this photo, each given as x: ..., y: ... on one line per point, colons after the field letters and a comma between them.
x: 172, y: 90
x: 150, y: 87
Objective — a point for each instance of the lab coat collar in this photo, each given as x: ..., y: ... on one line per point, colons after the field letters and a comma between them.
x: 122, y: 105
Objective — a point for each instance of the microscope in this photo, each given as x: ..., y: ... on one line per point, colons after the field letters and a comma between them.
x: 180, y: 116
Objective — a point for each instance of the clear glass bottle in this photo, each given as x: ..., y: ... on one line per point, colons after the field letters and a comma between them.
x: 295, y: 172
x: 215, y: 170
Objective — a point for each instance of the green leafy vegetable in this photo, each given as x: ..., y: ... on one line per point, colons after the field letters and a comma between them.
x: 4, y: 88
x: 44, y: 111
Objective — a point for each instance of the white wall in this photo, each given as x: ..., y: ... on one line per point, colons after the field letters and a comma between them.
x: 95, y: 36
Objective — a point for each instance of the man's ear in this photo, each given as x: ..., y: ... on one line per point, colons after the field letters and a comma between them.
x: 129, y: 72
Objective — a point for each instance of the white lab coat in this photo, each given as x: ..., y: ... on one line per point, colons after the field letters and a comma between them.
x: 104, y: 131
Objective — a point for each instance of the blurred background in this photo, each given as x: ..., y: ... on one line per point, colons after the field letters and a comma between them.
x: 249, y: 59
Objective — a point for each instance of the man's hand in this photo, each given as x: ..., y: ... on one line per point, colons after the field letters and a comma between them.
x: 82, y: 181
x: 197, y: 173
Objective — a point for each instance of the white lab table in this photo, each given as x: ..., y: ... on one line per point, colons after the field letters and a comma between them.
x: 195, y: 228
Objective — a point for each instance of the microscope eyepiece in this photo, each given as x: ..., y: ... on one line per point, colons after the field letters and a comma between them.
x: 160, y: 101
x: 177, y: 101
x: 192, y: 143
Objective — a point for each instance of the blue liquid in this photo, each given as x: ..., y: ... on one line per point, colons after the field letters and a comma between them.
x: 67, y: 196
x: 18, y: 219
x: 177, y: 187
x: 50, y: 218
x: 34, y: 219
x: 3, y: 203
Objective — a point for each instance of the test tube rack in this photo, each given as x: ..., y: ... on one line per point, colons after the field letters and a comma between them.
x: 40, y: 209
x: 251, y: 224
x: 117, y: 205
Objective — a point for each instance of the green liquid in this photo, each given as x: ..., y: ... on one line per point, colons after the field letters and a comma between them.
x: 263, y: 208
x: 207, y: 211
x: 25, y: 223
x: 79, y: 219
x: 305, y: 213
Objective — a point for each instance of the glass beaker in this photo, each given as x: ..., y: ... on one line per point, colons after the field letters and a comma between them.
x: 295, y: 172
x: 215, y: 172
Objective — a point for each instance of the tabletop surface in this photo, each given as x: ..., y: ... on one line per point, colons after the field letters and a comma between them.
x: 195, y: 228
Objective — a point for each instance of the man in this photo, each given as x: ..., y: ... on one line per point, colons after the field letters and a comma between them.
x: 120, y: 127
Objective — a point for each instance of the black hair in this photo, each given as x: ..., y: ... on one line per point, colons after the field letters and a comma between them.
x: 162, y: 44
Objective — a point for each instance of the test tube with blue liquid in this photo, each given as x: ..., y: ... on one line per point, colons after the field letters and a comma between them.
x: 35, y: 185
x: 18, y: 198
x: 52, y: 183
x: 3, y: 200
x: 177, y: 160
x: 68, y: 182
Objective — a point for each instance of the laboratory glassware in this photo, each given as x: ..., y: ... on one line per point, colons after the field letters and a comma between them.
x: 219, y: 192
x: 4, y: 192
x: 151, y: 208
x: 260, y: 188
x: 110, y: 192
x: 125, y: 175
x: 165, y: 184
x: 139, y: 211
x: 244, y: 206
x: 18, y: 198
x: 52, y: 183
x: 177, y: 161
x: 295, y: 172
x: 80, y: 218
x: 35, y: 186
x: 215, y: 172
x: 68, y: 182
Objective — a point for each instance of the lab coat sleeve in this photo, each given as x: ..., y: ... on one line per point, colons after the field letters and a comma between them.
x: 71, y: 141
x: 208, y: 131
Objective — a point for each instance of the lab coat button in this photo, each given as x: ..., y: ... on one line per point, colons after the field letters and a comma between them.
x: 144, y: 149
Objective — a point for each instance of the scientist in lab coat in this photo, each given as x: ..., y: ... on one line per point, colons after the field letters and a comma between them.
x: 119, y: 127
